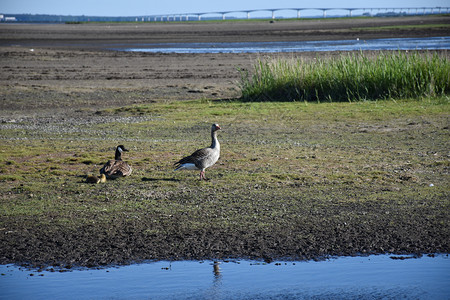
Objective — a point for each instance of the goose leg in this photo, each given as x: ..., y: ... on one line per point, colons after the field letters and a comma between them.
x: 202, y: 175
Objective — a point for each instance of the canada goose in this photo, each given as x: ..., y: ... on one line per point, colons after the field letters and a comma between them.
x: 202, y: 158
x: 94, y: 179
x: 116, y: 167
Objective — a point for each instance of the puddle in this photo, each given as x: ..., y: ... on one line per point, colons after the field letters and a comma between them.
x: 371, y: 277
x: 432, y: 43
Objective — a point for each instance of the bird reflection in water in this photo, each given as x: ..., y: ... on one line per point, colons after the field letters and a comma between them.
x: 216, y: 291
x: 216, y: 270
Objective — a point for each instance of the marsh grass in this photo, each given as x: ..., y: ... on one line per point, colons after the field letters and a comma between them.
x: 352, y: 77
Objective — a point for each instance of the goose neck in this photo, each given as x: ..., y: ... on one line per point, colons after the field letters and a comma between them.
x: 215, y: 141
x: 118, y: 155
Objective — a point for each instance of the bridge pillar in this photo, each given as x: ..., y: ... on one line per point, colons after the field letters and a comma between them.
x: 223, y: 16
x: 273, y: 14
x: 324, y: 13
x: 248, y: 15
x: 298, y: 14
x: 349, y: 12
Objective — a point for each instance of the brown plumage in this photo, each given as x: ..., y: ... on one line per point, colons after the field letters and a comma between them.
x: 116, y: 167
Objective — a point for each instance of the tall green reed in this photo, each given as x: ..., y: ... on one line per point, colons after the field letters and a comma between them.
x: 352, y: 77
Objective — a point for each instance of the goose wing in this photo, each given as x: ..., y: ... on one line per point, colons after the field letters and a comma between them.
x: 116, y: 168
x: 197, y: 158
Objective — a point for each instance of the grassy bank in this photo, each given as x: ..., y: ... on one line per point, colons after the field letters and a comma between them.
x: 294, y: 180
x: 348, y: 78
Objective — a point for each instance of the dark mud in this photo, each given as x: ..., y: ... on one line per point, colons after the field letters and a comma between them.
x: 56, y: 73
x: 377, y: 228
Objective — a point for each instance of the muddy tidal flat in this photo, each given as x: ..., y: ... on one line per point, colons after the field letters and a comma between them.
x: 294, y: 181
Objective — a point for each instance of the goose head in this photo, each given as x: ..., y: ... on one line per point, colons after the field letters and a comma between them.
x: 215, y: 127
x: 121, y: 148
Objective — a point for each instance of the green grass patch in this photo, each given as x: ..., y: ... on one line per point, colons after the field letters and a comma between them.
x: 354, y: 77
x: 10, y: 177
x: 278, y: 159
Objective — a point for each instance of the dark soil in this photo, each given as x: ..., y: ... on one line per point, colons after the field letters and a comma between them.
x: 386, y: 230
x: 70, y: 73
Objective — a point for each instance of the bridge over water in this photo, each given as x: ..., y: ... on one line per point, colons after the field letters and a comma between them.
x: 277, y: 13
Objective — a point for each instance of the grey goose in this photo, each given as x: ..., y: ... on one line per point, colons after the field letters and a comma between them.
x: 202, y: 158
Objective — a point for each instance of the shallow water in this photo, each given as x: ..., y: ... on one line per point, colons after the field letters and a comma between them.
x: 371, y: 277
x: 433, y: 43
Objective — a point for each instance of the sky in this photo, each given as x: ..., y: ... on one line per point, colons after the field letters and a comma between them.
x: 152, y: 7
